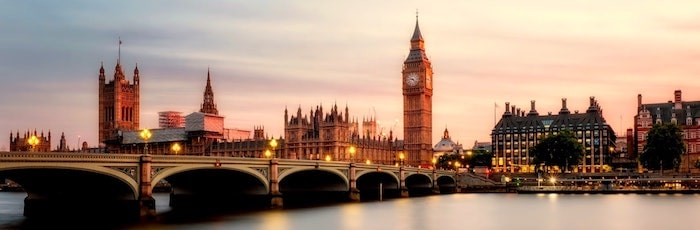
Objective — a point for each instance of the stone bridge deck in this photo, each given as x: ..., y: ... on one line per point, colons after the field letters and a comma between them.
x: 54, y: 181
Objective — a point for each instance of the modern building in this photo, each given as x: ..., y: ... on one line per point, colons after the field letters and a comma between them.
x: 517, y: 131
x: 118, y: 104
x: 417, y: 74
x: 171, y: 119
x: 684, y: 113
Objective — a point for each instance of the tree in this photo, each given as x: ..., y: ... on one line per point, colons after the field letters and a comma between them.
x: 664, y: 147
x: 562, y: 149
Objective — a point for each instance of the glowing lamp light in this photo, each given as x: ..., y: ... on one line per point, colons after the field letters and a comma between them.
x: 33, y: 141
x: 176, y: 148
x: 145, y: 134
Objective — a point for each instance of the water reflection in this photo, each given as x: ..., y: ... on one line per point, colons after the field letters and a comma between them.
x: 458, y: 211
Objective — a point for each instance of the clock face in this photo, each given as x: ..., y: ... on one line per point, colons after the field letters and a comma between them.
x: 412, y: 79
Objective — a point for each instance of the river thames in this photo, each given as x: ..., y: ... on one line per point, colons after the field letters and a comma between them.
x: 456, y: 211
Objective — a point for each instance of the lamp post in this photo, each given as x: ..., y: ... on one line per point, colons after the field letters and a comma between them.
x: 145, y: 136
x: 176, y: 148
x: 273, y: 144
x: 352, y: 151
x: 328, y: 157
x: 268, y: 153
x: 368, y: 161
x: 434, y: 162
x: 33, y: 141
x: 401, y: 156
x: 457, y: 164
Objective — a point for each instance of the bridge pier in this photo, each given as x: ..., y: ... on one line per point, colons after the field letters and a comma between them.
x: 354, y: 193
x: 276, y: 200
x: 146, y: 202
x: 436, y: 187
x: 403, y: 190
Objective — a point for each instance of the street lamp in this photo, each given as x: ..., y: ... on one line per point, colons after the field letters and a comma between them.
x: 33, y: 141
x: 328, y: 157
x: 176, y: 148
x: 434, y: 162
x: 268, y: 153
x: 401, y: 156
x: 457, y: 164
x: 145, y: 135
x: 352, y: 151
x: 368, y: 162
x: 273, y: 144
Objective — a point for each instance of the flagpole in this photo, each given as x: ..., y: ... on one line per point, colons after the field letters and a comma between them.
x: 119, y: 52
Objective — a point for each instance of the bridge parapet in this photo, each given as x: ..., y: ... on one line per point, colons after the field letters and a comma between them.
x: 66, y: 157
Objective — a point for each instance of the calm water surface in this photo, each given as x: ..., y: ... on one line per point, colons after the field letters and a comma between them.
x: 457, y: 211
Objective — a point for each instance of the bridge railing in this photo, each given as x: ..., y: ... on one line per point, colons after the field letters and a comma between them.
x: 63, y: 157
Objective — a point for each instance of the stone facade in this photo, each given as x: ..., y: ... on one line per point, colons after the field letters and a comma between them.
x: 516, y: 132
x: 684, y: 113
x: 320, y: 135
x: 417, y: 84
x: 118, y: 104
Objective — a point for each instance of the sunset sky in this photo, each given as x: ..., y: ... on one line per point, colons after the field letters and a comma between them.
x: 266, y: 56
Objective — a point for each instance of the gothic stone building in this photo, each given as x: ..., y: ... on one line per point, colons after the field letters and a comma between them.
x: 203, y: 134
x: 320, y: 135
x: 118, y: 104
x: 684, y: 113
x: 417, y: 74
x: 516, y: 132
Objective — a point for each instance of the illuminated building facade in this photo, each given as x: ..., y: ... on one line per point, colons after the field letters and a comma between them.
x: 517, y: 131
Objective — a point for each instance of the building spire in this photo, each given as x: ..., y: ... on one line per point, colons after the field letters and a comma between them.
x: 417, y: 36
x: 119, y: 52
x: 208, y: 105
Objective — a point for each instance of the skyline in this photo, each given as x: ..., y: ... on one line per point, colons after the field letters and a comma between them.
x: 483, y: 54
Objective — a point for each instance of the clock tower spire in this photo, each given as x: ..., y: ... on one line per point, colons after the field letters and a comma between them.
x: 417, y: 102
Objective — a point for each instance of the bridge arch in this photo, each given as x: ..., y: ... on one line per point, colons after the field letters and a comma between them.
x: 164, y: 173
x: 361, y: 173
x: 129, y: 181
x: 289, y: 173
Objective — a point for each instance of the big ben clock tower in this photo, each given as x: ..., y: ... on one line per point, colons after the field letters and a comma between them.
x: 417, y: 103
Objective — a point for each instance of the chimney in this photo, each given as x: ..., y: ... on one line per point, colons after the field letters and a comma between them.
x: 507, y: 110
x: 564, y: 110
x: 533, y: 111
x: 677, y: 100
x: 639, y: 101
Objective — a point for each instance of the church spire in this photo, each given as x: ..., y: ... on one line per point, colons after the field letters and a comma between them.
x: 208, y: 106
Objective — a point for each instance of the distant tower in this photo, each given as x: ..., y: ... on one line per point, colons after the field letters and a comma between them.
x: 118, y: 103
x: 369, y: 127
x: 63, y: 146
x: 417, y: 102
x: 208, y: 105
x: 259, y: 133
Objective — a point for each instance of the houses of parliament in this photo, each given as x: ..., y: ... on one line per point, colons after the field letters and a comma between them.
x: 321, y: 133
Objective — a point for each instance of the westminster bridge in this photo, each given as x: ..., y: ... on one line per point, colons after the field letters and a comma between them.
x: 122, y: 184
